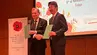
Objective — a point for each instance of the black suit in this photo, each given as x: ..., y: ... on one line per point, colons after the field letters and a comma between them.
x: 37, y: 47
x: 58, y: 42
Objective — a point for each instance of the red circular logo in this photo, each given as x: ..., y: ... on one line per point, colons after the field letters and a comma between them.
x: 17, y: 26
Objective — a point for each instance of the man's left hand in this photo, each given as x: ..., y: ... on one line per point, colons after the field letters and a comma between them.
x: 52, y: 33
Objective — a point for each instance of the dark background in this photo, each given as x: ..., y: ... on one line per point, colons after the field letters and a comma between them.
x: 11, y: 9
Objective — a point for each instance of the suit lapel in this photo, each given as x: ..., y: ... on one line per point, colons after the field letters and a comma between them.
x: 38, y: 23
x: 55, y: 18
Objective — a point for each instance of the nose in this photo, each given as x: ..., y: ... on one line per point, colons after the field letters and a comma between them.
x: 48, y: 8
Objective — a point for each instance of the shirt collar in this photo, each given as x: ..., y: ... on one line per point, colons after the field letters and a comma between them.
x: 37, y: 19
x: 54, y: 14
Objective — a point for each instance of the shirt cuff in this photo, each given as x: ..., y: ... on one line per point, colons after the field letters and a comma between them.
x: 34, y: 35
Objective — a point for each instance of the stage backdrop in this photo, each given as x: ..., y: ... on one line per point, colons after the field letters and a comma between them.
x: 17, y: 41
x: 81, y: 15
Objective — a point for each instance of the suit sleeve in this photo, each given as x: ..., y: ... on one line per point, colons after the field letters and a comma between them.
x: 63, y: 24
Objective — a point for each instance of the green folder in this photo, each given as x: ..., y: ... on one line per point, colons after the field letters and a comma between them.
x: 46, y: 33
x: 26, y: 30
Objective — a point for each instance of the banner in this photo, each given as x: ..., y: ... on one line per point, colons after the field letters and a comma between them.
x: 17, y: 41
x: 81, y: 15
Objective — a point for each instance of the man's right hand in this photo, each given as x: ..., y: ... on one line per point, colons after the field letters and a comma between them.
x: 38, y: 36
x: 32, y: 32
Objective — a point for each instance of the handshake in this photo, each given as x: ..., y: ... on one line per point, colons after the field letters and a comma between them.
x: 40, y: 36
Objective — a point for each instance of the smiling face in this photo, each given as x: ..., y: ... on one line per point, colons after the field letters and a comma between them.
x: 52, y: 9
x: 35, y: 13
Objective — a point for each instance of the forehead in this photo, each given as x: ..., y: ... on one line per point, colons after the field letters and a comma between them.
x: 51, y: 6
x: 35, y: 11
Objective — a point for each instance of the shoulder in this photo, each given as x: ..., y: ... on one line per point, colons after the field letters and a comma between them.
x: 42, y: 19
x: 59, y: 14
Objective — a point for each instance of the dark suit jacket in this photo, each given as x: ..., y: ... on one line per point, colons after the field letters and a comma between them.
x: 40, y: 30
x: 59, y: 26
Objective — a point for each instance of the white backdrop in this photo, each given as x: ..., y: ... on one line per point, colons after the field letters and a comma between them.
x: 81, y: 15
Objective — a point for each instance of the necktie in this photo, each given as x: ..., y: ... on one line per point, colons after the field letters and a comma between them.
x: 52, y: 19
x: 34, y: 25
